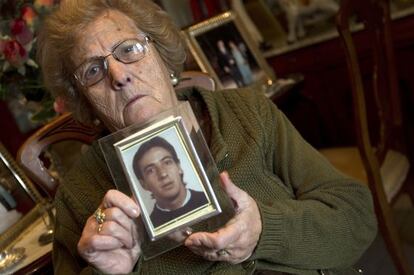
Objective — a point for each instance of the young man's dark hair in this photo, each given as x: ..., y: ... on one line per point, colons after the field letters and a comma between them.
x: 148, y: 145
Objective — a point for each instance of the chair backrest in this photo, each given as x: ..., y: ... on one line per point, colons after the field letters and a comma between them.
x: 61, y: 128
x: 196, y: 79
x: 65, y: 127
x: 382, y: 99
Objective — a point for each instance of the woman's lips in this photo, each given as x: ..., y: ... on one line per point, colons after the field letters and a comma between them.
x: 134, y: 99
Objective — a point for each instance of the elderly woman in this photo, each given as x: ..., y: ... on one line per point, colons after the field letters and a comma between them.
x: 111, y: 61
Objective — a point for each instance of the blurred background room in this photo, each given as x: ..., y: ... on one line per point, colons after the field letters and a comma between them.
x: 340, y: 70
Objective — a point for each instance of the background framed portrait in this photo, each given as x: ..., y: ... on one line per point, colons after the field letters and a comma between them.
x: 223, y: 48
x: 188, y: 171
x: 20, y: 202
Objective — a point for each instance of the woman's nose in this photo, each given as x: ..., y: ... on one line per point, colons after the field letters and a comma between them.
x: 118, y: 74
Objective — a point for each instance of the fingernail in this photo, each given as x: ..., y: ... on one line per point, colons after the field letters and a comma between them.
x: 90, y: 251
x: 135, y: 212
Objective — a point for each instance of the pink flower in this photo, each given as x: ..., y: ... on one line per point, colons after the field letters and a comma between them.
x: 59, y: 105
x: 28, y: 15
x: 14, y: 53
x: 20, y: 31
x: 43, y: 3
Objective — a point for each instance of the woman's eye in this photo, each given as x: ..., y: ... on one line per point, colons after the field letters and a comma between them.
x: 92, y: 71
x: 132, y: 48
x: 128, y: 49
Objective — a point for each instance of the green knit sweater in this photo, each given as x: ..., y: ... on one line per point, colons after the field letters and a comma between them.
x: 313, y: 217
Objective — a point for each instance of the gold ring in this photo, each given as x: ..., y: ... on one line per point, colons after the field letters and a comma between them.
x: 222, y: 252
x: 188, y: 232
x: 100, y: 227
x: 99, y: 216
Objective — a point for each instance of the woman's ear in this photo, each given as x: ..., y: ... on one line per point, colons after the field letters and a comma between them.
x: 59, y: 105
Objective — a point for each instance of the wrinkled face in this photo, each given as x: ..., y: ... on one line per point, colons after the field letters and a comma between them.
x: 130, y: 93
x: 162, y: 176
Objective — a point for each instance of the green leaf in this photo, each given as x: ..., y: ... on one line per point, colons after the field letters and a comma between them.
x: 44, y: 115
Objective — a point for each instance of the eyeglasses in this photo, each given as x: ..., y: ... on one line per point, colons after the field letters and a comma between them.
x: 95, y: 69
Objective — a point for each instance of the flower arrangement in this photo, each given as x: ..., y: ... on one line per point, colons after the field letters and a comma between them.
x: 19, y: 73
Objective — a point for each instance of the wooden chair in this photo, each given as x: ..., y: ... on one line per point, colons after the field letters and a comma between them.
x: 196, y: 79
x: 62, y: 128
x: 65, y: 128
x: 379, y: 159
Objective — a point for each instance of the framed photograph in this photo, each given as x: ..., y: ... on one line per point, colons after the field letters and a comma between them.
x: 166, y: 177
x: 223, y: 48
x: 20, y: 202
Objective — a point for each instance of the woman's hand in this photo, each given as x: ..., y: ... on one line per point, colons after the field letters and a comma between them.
x: 236, y: 241
x: 112, y: 246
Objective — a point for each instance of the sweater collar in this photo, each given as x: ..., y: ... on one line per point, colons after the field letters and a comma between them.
x: 186, y: 200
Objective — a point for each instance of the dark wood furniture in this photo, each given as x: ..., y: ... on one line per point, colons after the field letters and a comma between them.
x: 324, y: 114
x: 364, y: 109
x: 40, y: 266
x: 30, y: 153
x: 379, y: 133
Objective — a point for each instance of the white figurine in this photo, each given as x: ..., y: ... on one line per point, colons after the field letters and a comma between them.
x: 296, y: 10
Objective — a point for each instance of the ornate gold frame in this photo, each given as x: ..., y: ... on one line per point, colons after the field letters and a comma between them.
x: 11, y: 234
x: 202, y: 59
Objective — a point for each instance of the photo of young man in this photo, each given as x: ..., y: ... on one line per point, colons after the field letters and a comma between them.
x: 159, y: 171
